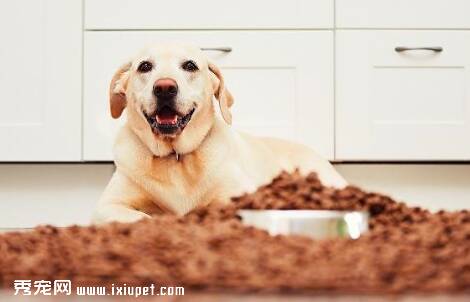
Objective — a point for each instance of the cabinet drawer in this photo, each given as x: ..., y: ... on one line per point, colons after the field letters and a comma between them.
x: 207, y: 14
x: 280, y: 89
x: 410, y: 105
x: 403, y: 14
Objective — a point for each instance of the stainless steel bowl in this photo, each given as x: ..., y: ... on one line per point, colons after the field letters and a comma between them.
x: 317, y: 224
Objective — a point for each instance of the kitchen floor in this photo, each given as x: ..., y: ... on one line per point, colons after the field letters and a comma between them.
x: 65, y: 194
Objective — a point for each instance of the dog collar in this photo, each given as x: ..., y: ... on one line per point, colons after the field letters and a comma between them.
x: 177, y: 155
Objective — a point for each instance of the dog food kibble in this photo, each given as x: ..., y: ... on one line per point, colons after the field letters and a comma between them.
x: 407, y: 249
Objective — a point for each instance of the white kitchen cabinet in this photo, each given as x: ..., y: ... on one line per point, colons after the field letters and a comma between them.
x: 40, y: 80
x: 208, y: 14
x: 406, y: 14
x: 408, y: 105
x: 282, y: 82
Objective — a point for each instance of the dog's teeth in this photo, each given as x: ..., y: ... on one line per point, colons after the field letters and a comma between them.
x: 167, y: 121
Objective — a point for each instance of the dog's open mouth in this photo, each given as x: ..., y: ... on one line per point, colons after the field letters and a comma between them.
x: 168, y: 121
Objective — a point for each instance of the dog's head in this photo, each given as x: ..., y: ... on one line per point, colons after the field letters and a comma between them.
x: 167, y: 90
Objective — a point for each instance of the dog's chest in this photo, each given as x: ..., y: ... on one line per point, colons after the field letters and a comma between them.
x: 179, y: 187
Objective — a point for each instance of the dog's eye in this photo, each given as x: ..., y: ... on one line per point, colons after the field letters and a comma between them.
x: 145, y: 66
x: 189, y: 66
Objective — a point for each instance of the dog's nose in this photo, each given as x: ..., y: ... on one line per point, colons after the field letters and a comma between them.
x: 165, y: 88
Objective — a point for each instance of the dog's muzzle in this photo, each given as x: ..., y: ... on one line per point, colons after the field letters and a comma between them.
x: 167, y: 120
x: 165, y: 89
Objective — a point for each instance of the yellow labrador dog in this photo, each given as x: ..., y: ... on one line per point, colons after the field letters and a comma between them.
x: 176, y: 152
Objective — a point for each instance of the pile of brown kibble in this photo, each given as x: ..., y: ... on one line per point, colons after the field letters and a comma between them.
x: 407, y: 249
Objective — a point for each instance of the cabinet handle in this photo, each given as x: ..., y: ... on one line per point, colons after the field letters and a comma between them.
x: 222, y: 49
x: 434, y: 48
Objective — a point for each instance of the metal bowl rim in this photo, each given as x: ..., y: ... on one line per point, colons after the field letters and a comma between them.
x: 315, y: 214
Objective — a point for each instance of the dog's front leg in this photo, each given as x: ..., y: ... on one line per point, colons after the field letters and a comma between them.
x: 116, y: 203
x: 117, y: 212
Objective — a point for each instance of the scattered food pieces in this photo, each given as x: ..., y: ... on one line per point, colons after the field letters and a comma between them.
x: 407, y: 249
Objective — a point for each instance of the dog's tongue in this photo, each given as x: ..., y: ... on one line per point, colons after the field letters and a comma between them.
x: 167, y: 116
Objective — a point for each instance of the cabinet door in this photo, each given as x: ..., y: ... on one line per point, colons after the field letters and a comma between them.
x: 40, y: 80
x: 403, y: 105
x: 404, y: 14
x: 208, y: 14
x: 280, y: 89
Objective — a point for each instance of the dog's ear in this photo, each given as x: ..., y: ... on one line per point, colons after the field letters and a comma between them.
x: 221, y: 93
x: 117, y: 90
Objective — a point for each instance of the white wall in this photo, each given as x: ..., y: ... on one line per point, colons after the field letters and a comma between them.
x: 60, y: 194
x: 64, y: 194
x: 431, y: 186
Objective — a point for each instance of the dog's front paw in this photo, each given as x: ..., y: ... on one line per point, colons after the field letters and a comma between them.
x: 335, y: 181
x: 117, y: 214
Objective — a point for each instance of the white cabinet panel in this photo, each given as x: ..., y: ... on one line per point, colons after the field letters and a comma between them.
x: 409, y: 105
x: 40, y: 80
x: 208, y: 14
x: 408, y: 14
x: 280, y: 89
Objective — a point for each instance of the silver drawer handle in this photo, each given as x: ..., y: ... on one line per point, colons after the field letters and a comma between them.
x: 222, y: 49
x: 402, y: 48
